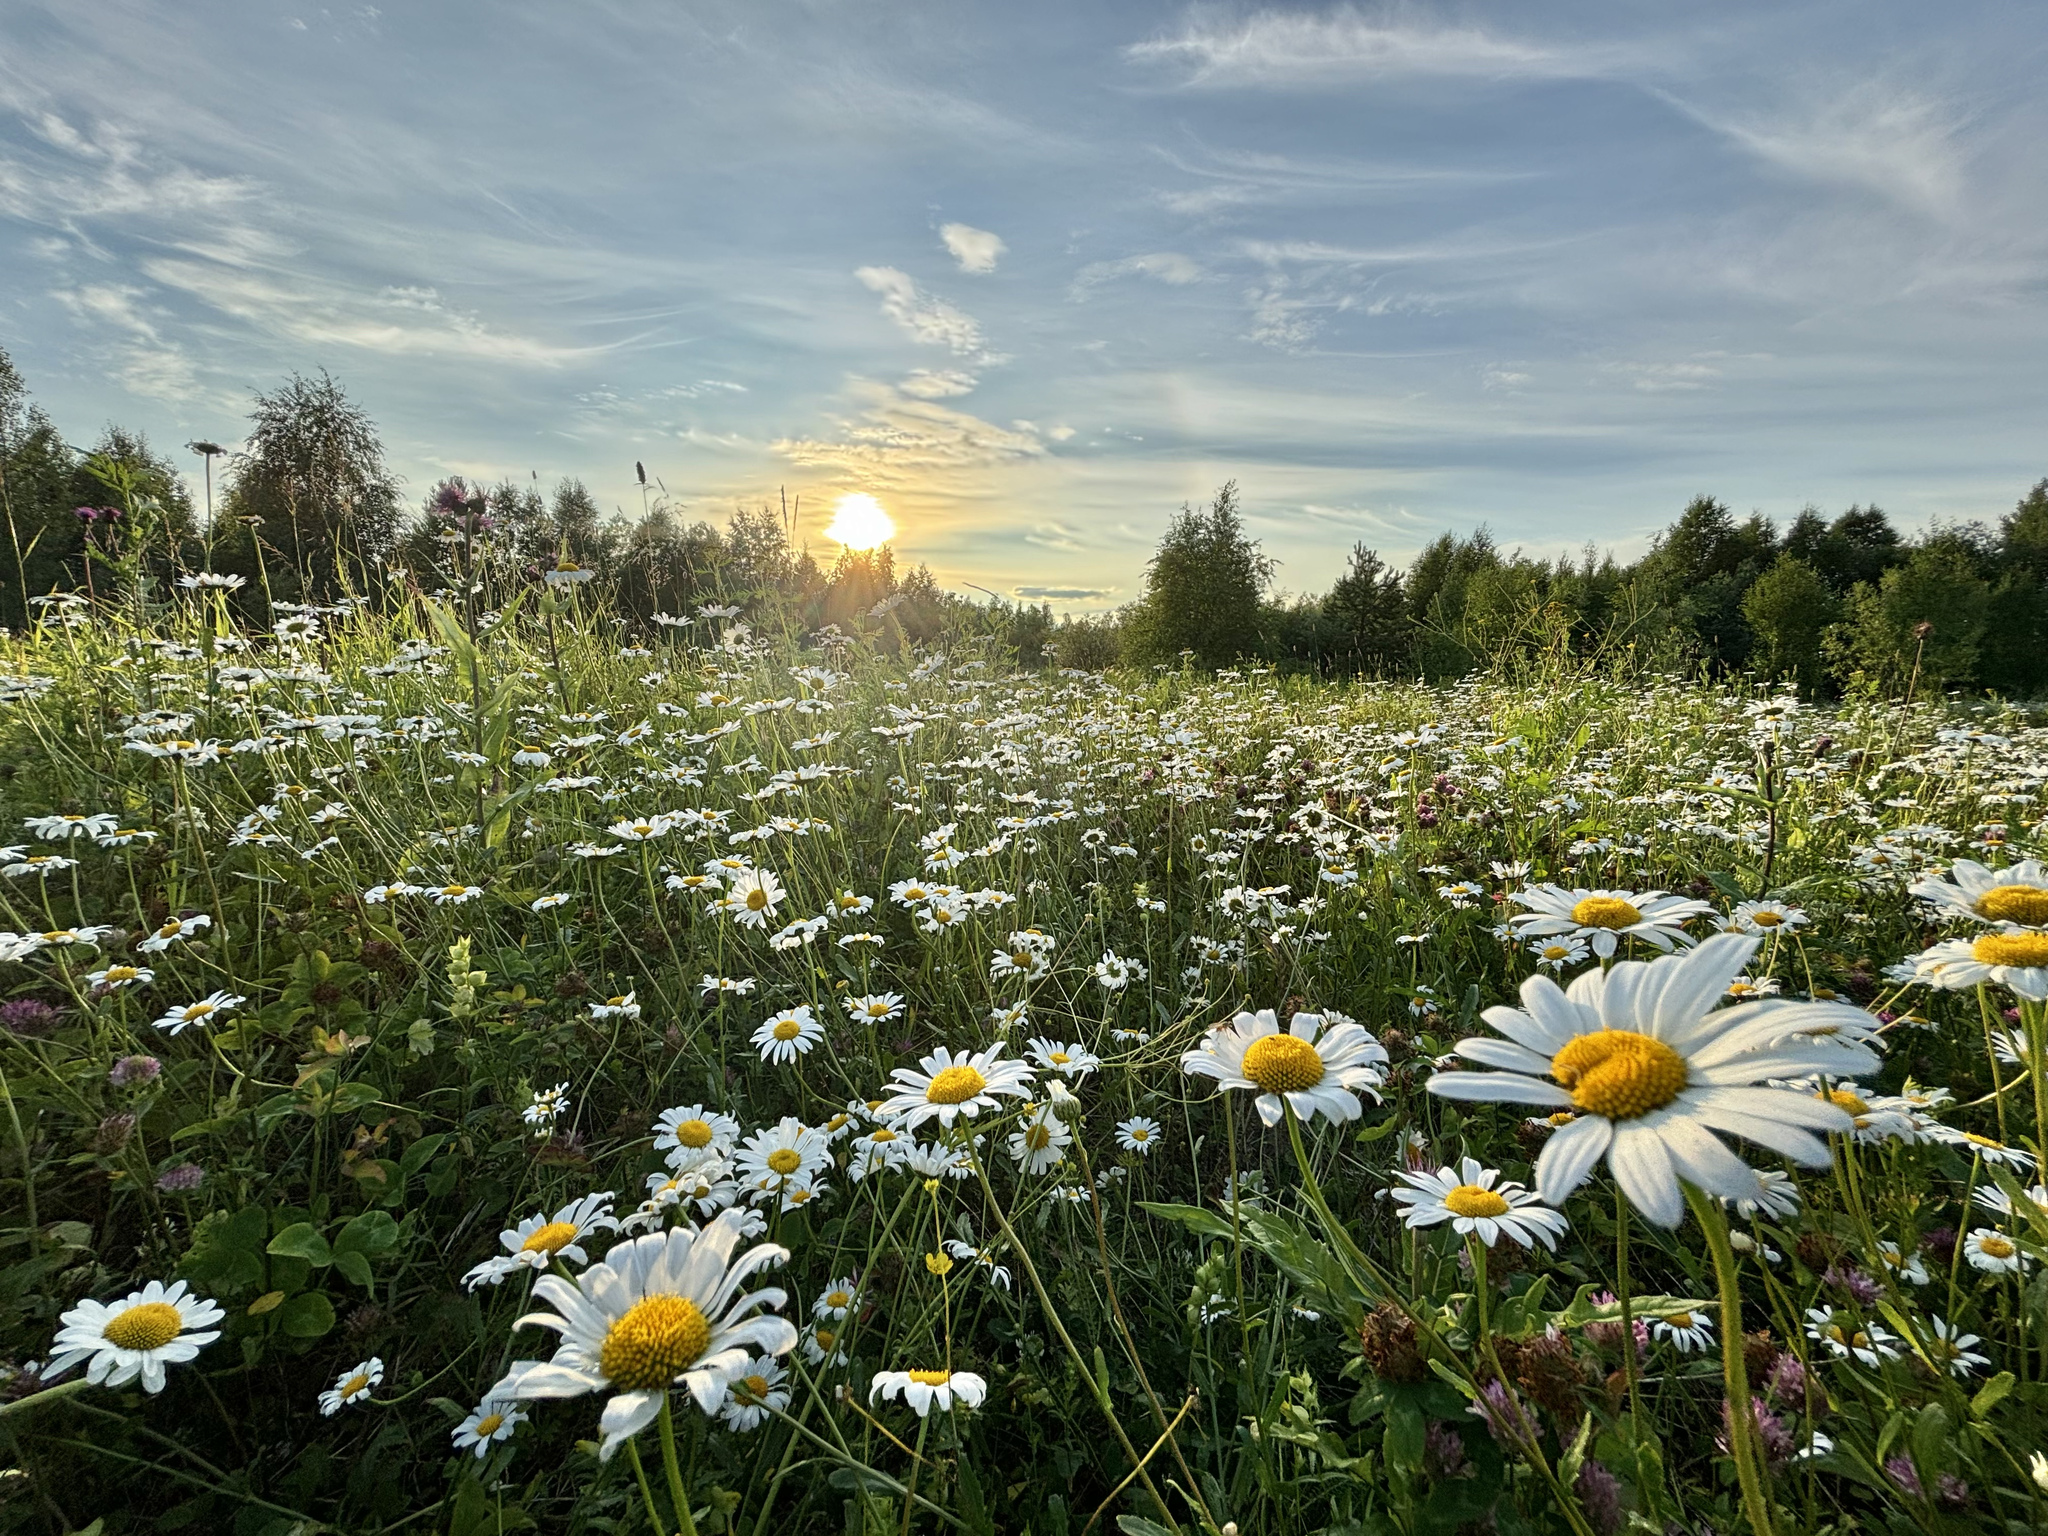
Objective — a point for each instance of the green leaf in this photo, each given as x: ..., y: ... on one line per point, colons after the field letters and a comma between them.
x: 308, y: 1315
x: 372, y: 1232
x: 356, y: 1268
x: 1930, y: 1440
x: 302, y: 1241
x: 1193, y: 1217
x: 1138, y: 1525
x: 1991, y: 1394
x: 1405, y: 1437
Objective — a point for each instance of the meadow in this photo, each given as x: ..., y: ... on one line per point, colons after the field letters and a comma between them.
x: 477, y: 1069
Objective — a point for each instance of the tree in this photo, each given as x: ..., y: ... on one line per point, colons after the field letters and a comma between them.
x: 1367, y: 616
x: 36, y: 467
x: 1920, y: 627
x: 310, y: 489
x: 1788, y: 610
x: 1202, y: 590
x: 2023, y: 535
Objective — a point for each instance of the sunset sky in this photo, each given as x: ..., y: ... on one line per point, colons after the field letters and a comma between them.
x: 1032, y: 275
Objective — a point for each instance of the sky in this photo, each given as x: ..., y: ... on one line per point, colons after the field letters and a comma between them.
x: 1035, y: 275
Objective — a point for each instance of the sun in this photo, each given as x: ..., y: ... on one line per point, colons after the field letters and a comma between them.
x: 859, y: 522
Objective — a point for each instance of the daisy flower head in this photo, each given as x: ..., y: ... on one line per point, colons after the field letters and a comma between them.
x: 1990, y: 1148
x: 114, y: 977
x: 1139, y: 1134
x: 881, y: 1150
x: 1474, y: 1201
x: 493, y: 1419
x: 351, y: 1386
x: 874, y: 1008
x: 1685, y: 1331
x: 837, y: 1299
x: 1604, y: 918
x: 626, y: 1007
x: 1766, y: 917
x: 1652, y: 1071
x: 1993, y: 1252
x: 924, y: 1389
x: 789, y: 1034
x: 1558, y: 951
x: 136, y: 1336
x: 1312, y: 1067
x: 753, y: 1395
x: 213, y: 1006
x: 541, y: 1239
x: 1070, y: 1061
x: 172, y: 931
x: 754, y: 896
x: 1847, y: 1339
x: 946, y: 1085
x: 546, y: 1107
x: 2013, y: 958
x: 1949, y: 1349
x: 1040, y: 1143
x: 2016, y: 896
x: 787, y: 1152
x: 661, y: 1311
x: 691, y: 1132
x: 1114, y: 972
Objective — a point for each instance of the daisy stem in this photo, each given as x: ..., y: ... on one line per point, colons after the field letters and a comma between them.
x: 1741, y: 1420
x: 646, y: 1493
x: 673, y: 1469
x: 1628, y: 1321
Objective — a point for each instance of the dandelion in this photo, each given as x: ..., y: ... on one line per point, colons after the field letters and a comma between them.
x: 1652, y: 1071
x: 209, y: 1008
x: 946, y: 1085
x: 1139, y: 1134
x: 351, y: 1386
x: 137, y: 1336
x: 922, y: 1390
x: 1474, y: 1201
x: 662, y: 1310
x: 1603, y: 918
x: 1312, y: 1068
x: 789, y: 1034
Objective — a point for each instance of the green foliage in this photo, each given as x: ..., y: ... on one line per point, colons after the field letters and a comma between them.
x: 1788, y: 610
x: 1202, y: 591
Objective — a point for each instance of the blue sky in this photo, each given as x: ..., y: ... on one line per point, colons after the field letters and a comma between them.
x: 1035, y: 274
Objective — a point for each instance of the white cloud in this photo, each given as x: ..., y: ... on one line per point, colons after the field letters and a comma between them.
x: 975, y: 249
x: 926, y: 384
x: 921, y: 317
x: 1065, y: 594
x: 1054, y: 536
x: 896, y: 439
x: 1280, y: 48
x: 1162, y: 266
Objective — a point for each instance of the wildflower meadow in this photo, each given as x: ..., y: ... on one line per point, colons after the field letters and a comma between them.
x: 473, y: 1062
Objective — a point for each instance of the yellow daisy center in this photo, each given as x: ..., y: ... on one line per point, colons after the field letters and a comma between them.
x: 2027, y: 904
x: 787, y: 1029
x: 1283, y: 1063
x: 1556, y: 951
x: 1767, y: 919
x: 453, y: 890
x: 757, y: 899
x: 954, y: 1085
x: 1471, y: 1200
x: 489, y: 1425
x: 1139, y: 1133
x: 1984, y: 1141
x: 550, y: 1239
x: 693, y: 1133
x: 1562, y: 1118
x: 2026, y: 951
x: 785, y: 1161
x: 360, y: 1382
x: 1058, y: 1058
x: 147, y: 1325
x: 658, y: 1339
x: 1995, y: 1246
x: 1619, y: 1073
x: 1842, y: 1098
x: 1606, y: 912
x: 1037, y: 1138
x: 838, y: 1300
x: 755, y: 1387
x: 825, y: 1337
x: 930, y: 1378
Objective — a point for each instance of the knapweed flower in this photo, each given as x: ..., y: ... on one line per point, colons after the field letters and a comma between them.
x: 946, y: 1085
x: 1138, y: 1134
x: 541, y: 1240
x: 351, y: 1386
x: 1652, y: 1070
x: 1312, y: 1068
x: 789, y: 1034
x: 661, y: 1311
x: 209, y: 1008
x: 1474, y: 1201
x: 136, y: 1336
x: 1604, y: 918
x: 2016, y: 896
x: 922, y: 1389
x: 2013, y: 958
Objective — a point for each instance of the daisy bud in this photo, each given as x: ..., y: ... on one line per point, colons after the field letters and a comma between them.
x: 1064, y: 1103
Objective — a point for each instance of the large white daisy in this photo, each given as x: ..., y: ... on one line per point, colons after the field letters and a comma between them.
x: 661, y: 1311
x: 1604, y: 918
x: 1653, y: 1071
x: 1315, y: 1065
x: 1473, y: 1200
x: 136, y: 1336
x: 787, y: 1152
x: 2017, y: 894
x: 541, y: 1239
x: 945, y: 1086
x: 2013, y: 958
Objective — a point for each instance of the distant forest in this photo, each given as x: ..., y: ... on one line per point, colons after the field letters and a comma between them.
x: 307, y: 512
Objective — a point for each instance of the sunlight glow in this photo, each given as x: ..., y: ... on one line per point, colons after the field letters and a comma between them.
x: 859, y: 522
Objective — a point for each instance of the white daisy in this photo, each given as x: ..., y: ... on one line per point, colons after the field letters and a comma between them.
x: 2016, y: 895
x: 1070, y: 1061
x: 136, y: 1336
x: 540, y: 1240
x: 1653, y: 1072
x: 1993, y: 1252
x: 875, y: 1008
x: 922, y: 1389
x: 1472, y: 1201
x: 753, y: 1395
x: 1554, y: 954
x: 173, y: 930
x: 660, y: 1311
x: 2013, y: 958
x: 1766, y: 917
x: 215, y: 1005
x: 754, y: 896
x: 692, y: 1131
x: 787, y: 1151
x: 1138, y: 1134
x: 494, y: 1418
x: 626, y: 1007
x: 946, y: 1085
x: 351, y: 1386
x: 1041, y: 1142
x: 1685, y: 1331
x: 789, y: 1034
x: 1848, y: 1339
x: 1948, y: 1348
x: 1603, y: 918
x: 1314, y: 1068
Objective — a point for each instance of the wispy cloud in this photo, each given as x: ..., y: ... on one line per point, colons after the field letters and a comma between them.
x: 1064, y: 594
x: 922, y: 317
x: 975, y: 249
x: 898, y: 439
x: 1168, y: 267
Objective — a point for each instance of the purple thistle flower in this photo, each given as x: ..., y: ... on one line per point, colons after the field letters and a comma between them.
x: 1848, y: 1277
x: 29, y: 1018
x: 133, y: 1071
x: 181, y: 1179
x: 1504, y: 1416
x: 1788, y: 1378
x: 1900, y: 1470
x: 1599, y: 1492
